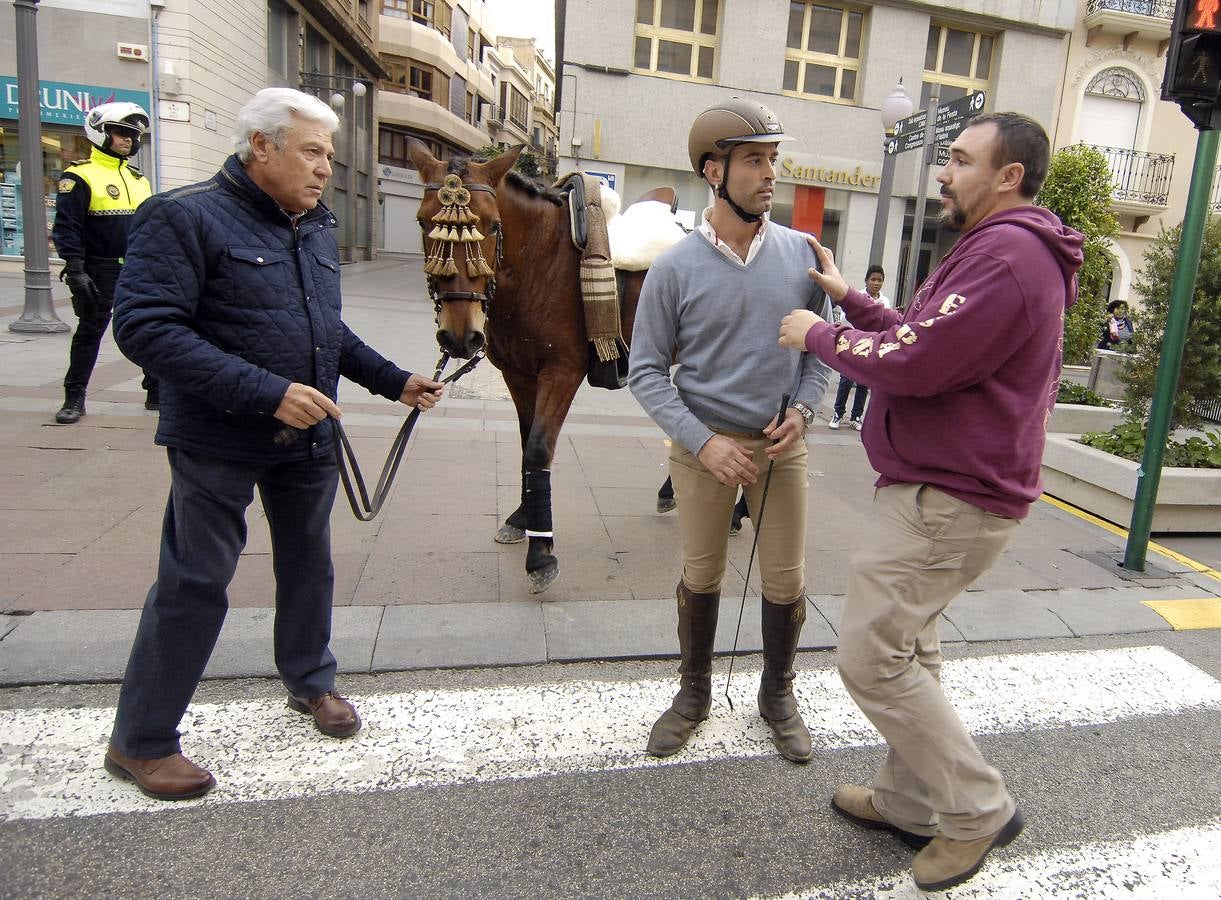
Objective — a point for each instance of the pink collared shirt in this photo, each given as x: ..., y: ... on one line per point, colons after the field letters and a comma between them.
x: 709, y: 232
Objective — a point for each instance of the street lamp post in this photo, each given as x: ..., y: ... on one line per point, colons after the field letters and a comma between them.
x: 38, y: 315
x: 896, y: 106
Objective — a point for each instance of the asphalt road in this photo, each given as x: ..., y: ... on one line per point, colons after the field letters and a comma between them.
x: 732, y: 825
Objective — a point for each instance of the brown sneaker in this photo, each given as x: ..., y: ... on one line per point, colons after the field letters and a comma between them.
x: 334, y: 716
x: 171, y: 777
x: 946, y: 862
x: 855, y: 803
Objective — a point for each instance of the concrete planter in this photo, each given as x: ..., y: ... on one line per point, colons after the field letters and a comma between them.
x: 1076, y: 374
x: 1075, y: 418
x: 1188, y: 500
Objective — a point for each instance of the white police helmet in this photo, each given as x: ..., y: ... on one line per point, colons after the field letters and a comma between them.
x: 126, y: 115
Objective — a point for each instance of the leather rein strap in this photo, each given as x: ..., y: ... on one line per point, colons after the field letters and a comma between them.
x: 363, y: 507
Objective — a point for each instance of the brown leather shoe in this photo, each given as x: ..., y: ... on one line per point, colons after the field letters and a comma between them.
x: 855, y: 803
x: 946, y: 862
x: 171, y: 777
x: 334, y: 716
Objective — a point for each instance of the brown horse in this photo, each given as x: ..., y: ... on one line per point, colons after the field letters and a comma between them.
x: 512, y: 282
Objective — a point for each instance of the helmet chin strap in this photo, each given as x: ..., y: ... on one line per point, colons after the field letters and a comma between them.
x: 723, y: 192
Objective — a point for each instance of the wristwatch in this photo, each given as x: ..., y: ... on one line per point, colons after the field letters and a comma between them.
x: 806, y: 413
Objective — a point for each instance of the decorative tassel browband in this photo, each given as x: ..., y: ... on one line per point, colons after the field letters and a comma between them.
x: 455, y: 224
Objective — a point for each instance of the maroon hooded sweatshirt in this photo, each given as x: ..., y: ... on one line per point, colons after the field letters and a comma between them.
x: 965, y: 380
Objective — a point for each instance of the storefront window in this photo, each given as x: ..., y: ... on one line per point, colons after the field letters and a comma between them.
x: 61, y: 146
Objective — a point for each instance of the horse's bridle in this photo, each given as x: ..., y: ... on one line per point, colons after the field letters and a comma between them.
x: 455, y: 211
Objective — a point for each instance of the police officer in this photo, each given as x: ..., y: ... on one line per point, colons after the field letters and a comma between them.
x: 96, y: 201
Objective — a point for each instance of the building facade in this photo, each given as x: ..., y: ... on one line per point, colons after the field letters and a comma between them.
x: 193, y: 64
x: 544, y: 134
x: 1113, y: 77
x: 116, y: 34
x: 440, y: 89
x: 634, y: 73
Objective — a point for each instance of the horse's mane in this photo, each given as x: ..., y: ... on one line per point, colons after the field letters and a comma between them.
x: 535, y: 187
x: 532, y: 187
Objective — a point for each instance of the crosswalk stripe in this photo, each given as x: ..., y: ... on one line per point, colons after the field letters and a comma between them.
x: 1183, y: 864
x: 50, y: 758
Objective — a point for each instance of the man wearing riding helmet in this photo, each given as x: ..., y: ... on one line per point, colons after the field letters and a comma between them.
x: 93, y: 210
x: 712, y: 300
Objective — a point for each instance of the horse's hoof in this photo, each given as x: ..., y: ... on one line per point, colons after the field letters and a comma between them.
x: 666, y: 504
x: 541, y: 579
x: 734, y: 528
x: 510, y: 534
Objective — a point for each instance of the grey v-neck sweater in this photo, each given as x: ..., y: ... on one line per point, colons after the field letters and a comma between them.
x: 720, y: 321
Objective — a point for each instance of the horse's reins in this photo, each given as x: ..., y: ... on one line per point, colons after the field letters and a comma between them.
x: 758, y: 525
x: 345, y: 457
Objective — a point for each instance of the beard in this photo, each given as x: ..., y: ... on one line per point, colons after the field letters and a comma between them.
x: 955, y: 218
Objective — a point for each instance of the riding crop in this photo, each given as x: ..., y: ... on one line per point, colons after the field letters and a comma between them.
x: 758, y: 525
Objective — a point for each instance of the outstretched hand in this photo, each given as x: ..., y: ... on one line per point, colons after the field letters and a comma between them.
x: 829, y: 279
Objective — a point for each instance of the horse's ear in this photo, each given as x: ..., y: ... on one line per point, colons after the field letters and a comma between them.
x: 424, y: 161
x: 497, y: 167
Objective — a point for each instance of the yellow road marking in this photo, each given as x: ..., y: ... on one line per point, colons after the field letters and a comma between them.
x: 1123, y: 533
x: 1184, y: 615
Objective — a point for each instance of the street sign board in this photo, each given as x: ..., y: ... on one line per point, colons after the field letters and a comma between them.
x: 951, y: 120
x: 942, y: 156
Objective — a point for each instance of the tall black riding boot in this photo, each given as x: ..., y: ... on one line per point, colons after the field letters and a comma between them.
x: 73, y: 408
x: 777, y: 705
x: 697, y: 615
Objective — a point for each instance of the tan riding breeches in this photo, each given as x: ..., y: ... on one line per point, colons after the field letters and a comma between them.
x: 705, y: 508
x: 925, y: 547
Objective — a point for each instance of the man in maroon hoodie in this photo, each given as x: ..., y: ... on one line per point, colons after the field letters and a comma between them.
x: 964, y: 381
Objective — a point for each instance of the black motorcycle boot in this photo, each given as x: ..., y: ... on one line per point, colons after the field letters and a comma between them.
x: 697, y: 617
x: 777, y: 705
x: 73, y: 408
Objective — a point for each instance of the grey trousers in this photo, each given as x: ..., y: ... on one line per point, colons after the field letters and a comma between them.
x: 926, y: 546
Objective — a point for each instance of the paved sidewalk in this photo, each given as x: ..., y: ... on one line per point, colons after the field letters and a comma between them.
x: 424, y: 585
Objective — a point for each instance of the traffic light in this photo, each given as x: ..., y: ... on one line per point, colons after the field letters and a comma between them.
x: 1193, y: 61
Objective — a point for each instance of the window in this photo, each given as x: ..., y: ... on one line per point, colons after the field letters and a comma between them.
x: 515, y: 105
x: 960, y: 61
x: 472, y: 108
x: 434, y: 13
x: 677, y: 38
x: 410, y: 77
x: 823, y: 58
x: 392, y: 147
x: 471, y: 44
x: 281, y: 37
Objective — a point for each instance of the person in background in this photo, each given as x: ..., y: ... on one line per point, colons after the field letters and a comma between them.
x: 964, y: 383
x: 874, y: 279
x: 231, y: 295
x: 97, y: 200
x: 1117, y: 330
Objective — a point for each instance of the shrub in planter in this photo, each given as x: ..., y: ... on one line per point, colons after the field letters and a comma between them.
x: 1127, y: 440
x: 1071, y: 392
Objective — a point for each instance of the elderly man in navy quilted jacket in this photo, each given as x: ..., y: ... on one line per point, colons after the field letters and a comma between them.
x: 230, y: 295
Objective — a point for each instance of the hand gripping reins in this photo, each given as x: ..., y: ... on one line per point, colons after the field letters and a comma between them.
x: 364, y: 507
x: 758, y: 526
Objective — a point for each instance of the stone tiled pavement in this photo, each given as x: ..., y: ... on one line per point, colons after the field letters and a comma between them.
x: 424, y: 585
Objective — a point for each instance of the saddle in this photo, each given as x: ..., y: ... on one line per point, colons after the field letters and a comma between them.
x: 590, y: 209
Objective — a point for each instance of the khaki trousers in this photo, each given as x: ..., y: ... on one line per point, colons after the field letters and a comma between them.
x: 925, y: 547
x: 705, y: 508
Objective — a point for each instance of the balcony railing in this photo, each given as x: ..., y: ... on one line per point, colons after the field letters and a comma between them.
x: 1157, y: 9
x: 1140, y: 182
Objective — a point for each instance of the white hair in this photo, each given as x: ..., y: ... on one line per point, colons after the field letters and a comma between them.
x: 271, y: 112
